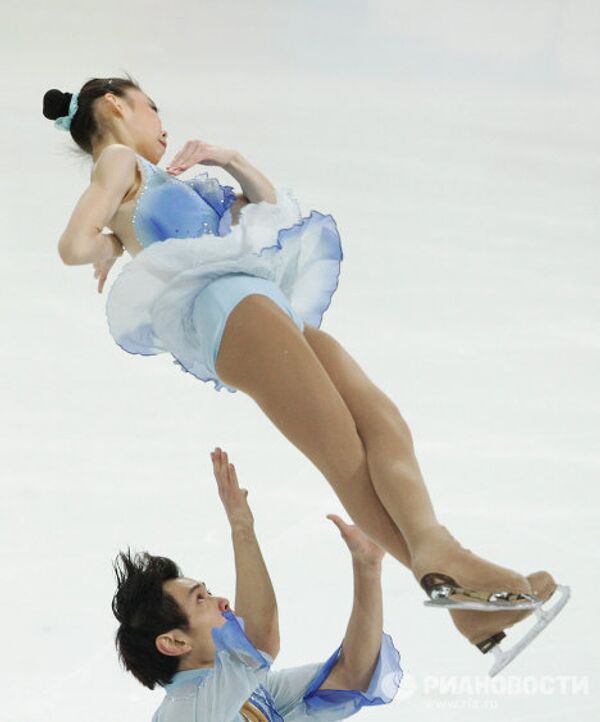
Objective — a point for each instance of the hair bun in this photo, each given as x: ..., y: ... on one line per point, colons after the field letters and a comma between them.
x: 56, y: 104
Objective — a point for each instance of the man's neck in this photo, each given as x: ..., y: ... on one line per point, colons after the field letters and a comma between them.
x: 192, y: 664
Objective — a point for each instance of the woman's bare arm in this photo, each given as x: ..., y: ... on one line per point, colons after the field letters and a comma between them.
x: 254, y: 184
x: 82, y: 240
x: 235, y: 208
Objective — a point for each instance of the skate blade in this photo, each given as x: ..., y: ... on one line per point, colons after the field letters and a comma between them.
x: 444, y: 592
x: 494, y: 606
x: 545, y: 616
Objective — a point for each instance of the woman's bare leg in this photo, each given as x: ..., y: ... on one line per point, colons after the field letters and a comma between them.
x: 264, y: 354
x: 393, y: 466
x: 397, y: 479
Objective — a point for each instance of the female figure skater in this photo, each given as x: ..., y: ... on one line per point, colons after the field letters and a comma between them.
x: 234, y: 286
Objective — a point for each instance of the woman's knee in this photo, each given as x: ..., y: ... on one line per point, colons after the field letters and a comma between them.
x: 373, y: 411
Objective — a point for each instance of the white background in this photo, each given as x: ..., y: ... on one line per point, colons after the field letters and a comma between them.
x: 457, y: 146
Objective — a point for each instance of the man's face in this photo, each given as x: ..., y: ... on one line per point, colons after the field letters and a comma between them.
x: 204, y: 611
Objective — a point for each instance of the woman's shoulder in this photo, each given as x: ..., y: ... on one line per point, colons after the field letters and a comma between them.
x: 115, y: 156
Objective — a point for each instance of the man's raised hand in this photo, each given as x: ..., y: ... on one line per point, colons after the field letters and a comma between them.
x: 363, y: 549
x: 233, y: 498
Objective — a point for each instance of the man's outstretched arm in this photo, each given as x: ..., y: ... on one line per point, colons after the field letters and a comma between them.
x: 362, y: 641
x: 254, y: 594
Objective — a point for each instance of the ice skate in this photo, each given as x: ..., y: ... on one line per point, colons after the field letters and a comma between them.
x: 486, y: 632
x: 455, y: 578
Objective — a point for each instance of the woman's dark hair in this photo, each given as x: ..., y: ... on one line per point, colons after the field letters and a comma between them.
x: 84, y: 124
x: 144, y: 611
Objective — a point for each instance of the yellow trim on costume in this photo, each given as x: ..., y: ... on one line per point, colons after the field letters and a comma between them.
x: 251, y: 713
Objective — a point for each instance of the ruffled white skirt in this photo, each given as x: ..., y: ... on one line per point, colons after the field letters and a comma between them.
x: 149, y: 305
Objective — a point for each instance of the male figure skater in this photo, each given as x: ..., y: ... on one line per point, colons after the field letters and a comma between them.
x: 214, y: 662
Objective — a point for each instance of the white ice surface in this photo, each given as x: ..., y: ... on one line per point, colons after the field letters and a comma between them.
x: 457, y: 145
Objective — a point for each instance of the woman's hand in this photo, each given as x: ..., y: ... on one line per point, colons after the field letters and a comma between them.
x: 362, y: 547
x: 111, y: 249
x: 197, y: 151
x: 233, y: 498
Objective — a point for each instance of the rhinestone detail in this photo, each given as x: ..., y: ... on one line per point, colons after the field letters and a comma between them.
x: 148, y: 169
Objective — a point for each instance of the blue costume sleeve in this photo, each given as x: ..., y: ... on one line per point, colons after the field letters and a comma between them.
x: 297, y: 695
x: 239, y: 669
x: 219, y: 197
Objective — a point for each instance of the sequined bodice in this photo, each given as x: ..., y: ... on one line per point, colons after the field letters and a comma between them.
x: 167, y: 207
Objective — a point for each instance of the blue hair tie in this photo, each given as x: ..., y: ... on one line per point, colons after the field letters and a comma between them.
x: 64, y: 122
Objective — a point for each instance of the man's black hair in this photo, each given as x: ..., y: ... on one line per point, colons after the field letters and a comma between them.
x: 144, y: 611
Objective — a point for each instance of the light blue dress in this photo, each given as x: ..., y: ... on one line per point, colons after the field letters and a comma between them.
x: 241, y: 672
x: 189, y: 241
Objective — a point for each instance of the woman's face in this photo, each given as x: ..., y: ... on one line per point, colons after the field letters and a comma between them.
x: 137, y: 125
x: 146, y: 127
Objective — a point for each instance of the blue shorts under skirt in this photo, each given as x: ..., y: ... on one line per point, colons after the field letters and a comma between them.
x: 216, y: 301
